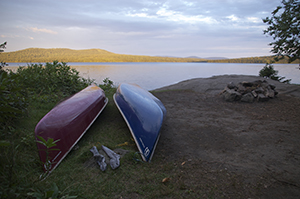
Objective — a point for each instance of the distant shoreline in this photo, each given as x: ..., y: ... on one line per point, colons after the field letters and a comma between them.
x: 39, y: 55
x: 13, y: 64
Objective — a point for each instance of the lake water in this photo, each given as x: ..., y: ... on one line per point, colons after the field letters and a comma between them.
x: 155, y: 75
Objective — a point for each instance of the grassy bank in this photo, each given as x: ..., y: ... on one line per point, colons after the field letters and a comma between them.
x: 31, y: 92
x: 74, y: 178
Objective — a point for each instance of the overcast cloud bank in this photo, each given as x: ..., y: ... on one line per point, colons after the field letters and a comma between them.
x: 227, y: 28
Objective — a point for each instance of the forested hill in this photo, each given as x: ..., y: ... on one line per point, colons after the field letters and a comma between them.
x: 263, y: 59
x: 90, y: 55
x: 98, y: 55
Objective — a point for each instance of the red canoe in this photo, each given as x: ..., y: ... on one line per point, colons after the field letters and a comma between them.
x: 68, y: 122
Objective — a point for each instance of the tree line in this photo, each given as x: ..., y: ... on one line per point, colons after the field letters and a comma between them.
x: 90, y: 55
x: 97, y: 55
x: 263, y: 59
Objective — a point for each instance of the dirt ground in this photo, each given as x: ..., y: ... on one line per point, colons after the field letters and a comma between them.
x: 245, y: 150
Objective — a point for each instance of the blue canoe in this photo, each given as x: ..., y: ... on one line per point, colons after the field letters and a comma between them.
x: 144, y: 115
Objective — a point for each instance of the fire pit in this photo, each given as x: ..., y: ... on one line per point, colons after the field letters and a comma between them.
x: 259, y: 90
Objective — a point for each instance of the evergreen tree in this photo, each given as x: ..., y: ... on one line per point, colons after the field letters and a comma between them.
x: 284, y: 27
x: 2, y: 46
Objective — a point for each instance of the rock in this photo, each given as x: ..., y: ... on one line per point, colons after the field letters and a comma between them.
x: 231, y: 85
x: 240, y: 88
x: 272, y: 86
x: 258, y: 82
x: 265, y: 85
x: 259, y: 90
x: 254, y: 94
x: 262, y: 98
x: 249, y: 98
x: 247, y: 84
x: 231, y: 95
x: 270, y: 93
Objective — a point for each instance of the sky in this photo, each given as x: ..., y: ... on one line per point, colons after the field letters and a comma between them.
x: 180, y: 28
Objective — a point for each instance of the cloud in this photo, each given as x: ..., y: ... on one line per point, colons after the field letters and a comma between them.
x: 150, y: 27
x: 254, y: 19
x: 43, y: 30
x: 170, y: 15
x: 10, y: 36
x: 233, y: 18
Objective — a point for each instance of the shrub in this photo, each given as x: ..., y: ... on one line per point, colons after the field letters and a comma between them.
x: 13, y: 99
x: 30, y: 86
x: 269, y: 72
x: 51, y: 82
x: 54, y: 79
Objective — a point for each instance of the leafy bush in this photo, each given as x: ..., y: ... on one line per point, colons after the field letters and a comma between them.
x: 54, y: 79
x: 108, y: 86
x: 13, y: 99
x: 48, y: 83
x: 52, y: 192
x: 269, y: 72
x: 30, y: 86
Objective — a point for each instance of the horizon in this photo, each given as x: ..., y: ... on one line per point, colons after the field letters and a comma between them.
x: 192, y: 56
x: 179, y: 28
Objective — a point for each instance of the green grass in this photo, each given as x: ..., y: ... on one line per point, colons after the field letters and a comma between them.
x: 20, y: 167
x: 131, y: 180
x: 71, y: 177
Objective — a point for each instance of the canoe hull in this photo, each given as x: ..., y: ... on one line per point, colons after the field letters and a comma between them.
x: 68, y: 122
x: 144, y: 115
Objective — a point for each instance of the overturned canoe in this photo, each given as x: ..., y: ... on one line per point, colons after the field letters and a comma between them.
x: 144, y: 115
x: 67, y: 122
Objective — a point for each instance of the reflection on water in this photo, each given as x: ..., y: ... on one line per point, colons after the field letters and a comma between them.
x: 155, y: 75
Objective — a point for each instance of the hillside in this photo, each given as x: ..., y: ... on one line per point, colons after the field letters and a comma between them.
x: 98, y: 55
x: 90, y: 55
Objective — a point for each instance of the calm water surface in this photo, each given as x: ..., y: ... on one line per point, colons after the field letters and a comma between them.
x: 155, y: 75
